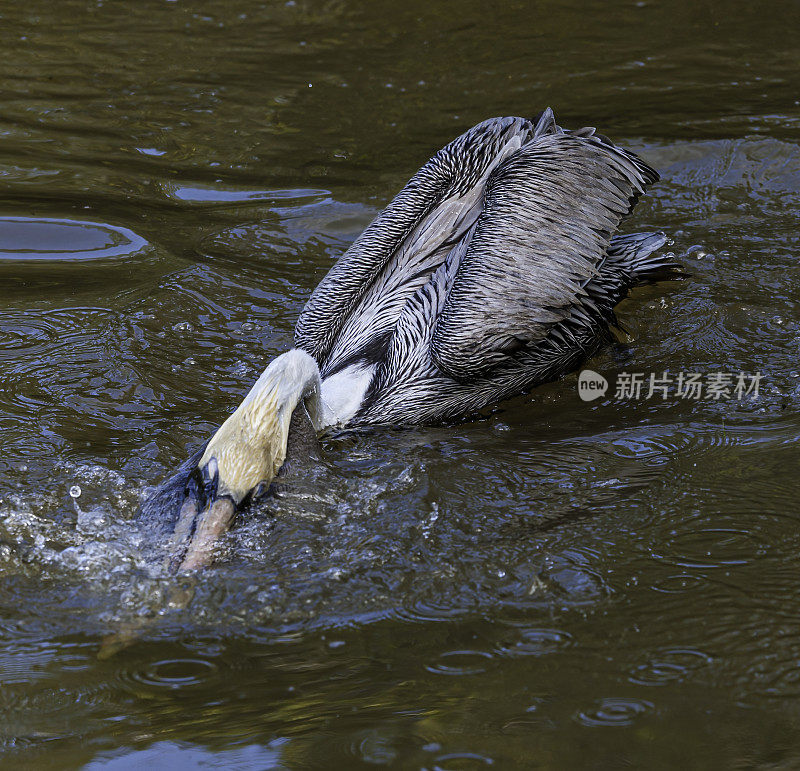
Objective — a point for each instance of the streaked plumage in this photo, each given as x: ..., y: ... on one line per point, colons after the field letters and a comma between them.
x: 495, y: 269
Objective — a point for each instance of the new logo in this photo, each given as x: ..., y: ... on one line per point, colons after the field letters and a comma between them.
x: 591, y: 385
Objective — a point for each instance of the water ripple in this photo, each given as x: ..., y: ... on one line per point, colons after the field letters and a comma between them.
x: 613, y: 712
x: 219, y: 195
x: 35, y: 243
x: 175, y: 674
x: 461, y: 662
x: 707, y: 547
x: 669, y: 666
x: 536, y: 642
x: 461, y: 761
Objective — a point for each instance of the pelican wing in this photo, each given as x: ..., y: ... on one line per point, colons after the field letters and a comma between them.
x: 549, y: 212
x: 358, y: 303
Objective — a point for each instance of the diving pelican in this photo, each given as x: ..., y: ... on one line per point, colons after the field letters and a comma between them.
x: 495, y: 269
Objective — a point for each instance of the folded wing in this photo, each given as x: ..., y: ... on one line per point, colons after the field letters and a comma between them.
x: 356, y: 306
x: 548, y: 216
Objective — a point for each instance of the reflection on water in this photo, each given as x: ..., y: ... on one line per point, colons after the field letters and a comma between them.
x: 560, y: 583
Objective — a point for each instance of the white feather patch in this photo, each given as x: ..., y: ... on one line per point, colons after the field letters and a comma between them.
x: 344, y: 392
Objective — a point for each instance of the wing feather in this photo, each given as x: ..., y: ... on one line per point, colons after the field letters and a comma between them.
x: 365, y: 291
x: 549, y: 213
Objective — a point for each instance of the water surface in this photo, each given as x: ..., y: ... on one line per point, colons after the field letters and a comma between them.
x: 560, y: 584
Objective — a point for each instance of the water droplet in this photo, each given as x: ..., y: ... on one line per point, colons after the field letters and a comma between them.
x: 75, y: 491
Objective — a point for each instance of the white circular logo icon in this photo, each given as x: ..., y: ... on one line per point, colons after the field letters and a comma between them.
x: 591, y: 385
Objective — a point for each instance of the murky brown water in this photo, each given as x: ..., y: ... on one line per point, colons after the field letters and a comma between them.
x: 560, y: 585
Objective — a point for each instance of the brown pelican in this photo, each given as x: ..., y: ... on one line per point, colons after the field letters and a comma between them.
x: 495, y: 269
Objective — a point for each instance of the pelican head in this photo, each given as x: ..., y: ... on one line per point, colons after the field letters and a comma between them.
x: 245, y: 454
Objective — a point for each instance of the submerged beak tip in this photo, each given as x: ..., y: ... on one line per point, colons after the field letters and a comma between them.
x: 209, y: 525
